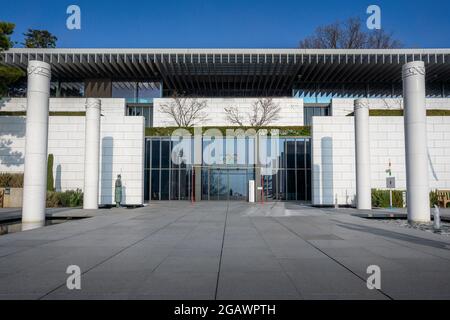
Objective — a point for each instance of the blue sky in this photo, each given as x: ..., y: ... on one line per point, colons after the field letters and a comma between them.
x: 219, y: 24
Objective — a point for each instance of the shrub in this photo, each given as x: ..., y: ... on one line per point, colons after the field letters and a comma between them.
x: 380, y: 198
x: 11, y: 180
x: 52, y: 200
x: 50, y: 180
x: 69, y: 198
x: 433, y: 199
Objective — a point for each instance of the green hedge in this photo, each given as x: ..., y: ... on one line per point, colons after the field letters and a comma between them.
x: 11, y: 180
x: 380, y: 198
x: 50, y: 180
x: 70, y: 198
x: 51, y: 113
x: 300, y: 131
x: 399, y: 113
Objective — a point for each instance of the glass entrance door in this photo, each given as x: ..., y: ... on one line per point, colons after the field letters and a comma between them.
x: 225, y: 184
x: 238, y: 185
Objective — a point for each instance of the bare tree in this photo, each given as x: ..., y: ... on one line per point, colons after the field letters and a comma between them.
x: 263, y: 112
x: 349, y: 34
x: 185, y: 111
x: 381, y: 40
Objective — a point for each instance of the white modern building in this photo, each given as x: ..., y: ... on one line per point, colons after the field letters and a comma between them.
x: 315, y: 91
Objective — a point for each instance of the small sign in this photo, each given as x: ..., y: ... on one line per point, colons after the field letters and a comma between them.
x: 260, y: 188
x: 390, y: 182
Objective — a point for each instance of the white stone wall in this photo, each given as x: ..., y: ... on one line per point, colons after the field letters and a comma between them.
x: 333, y: 156
x: 122, y: 152
x: 110, y: 106
x: 342, y: 107
x: 291, y: 113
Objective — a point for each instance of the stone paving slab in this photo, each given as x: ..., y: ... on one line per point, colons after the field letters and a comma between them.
x: 224, y: 250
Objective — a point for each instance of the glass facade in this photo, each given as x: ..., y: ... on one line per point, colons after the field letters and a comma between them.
x: 310, y: 111
x: 164, y: 179
x: 289, y: 177
x: 136, y: 92
x: 145, y: 110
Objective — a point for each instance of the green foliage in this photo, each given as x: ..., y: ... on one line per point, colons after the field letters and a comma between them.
x: 380, y: 198
x: 66, y: 199
x: 299, y: 131
x: 51, y: 113
x: 8, y: 76
x: 39, y: 39
x: 399, y: 113
x: 438, y: 113
x: 434, y: 200
x: 6, y: 30
x: 11, y: 180
x: 50, y: 180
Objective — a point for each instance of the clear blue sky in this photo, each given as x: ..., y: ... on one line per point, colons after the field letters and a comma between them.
x: 219, y: 24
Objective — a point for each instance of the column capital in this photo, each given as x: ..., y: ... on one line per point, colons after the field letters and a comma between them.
x: 41, y: 68
x: 361, y: 104
x: 93, y: 103
x: 414, y: 68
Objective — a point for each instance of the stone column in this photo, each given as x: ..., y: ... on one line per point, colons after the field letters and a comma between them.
x: 91, y: 153
x: 35, y: 173
x: 362, y: 155
x: 418, y: 199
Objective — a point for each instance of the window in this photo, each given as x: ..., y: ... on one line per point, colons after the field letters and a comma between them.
x: 315, y: 110
x: 141, y: 110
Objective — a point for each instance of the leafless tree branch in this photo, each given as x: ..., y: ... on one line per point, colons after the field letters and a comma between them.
x: 186, y: 112
x: 349, y: 34
x: 263, y: 112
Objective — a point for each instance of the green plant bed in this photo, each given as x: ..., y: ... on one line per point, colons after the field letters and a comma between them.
x: 51, y: 113
x: 299, y: 131
x: 399, y: 113
x: 380, y: 198
x: 67, y: 199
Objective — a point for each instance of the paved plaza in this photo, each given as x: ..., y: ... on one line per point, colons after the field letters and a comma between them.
x: 224, y: 250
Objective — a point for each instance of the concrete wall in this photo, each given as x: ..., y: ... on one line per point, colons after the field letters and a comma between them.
x: 110, y: 106
x: 122, y: 151
x: 342, y: 107
x: 13, y: 199
x: 291, y: 113
x: 333, y: 155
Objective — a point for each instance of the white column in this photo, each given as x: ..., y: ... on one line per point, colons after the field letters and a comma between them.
x: 362, y: 155
x: 418, y: 198
x: 251, y: 191
x: 91, y: 153
x: 35, y: 174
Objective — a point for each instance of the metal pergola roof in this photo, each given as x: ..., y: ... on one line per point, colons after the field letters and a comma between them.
x: 256, y: 71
